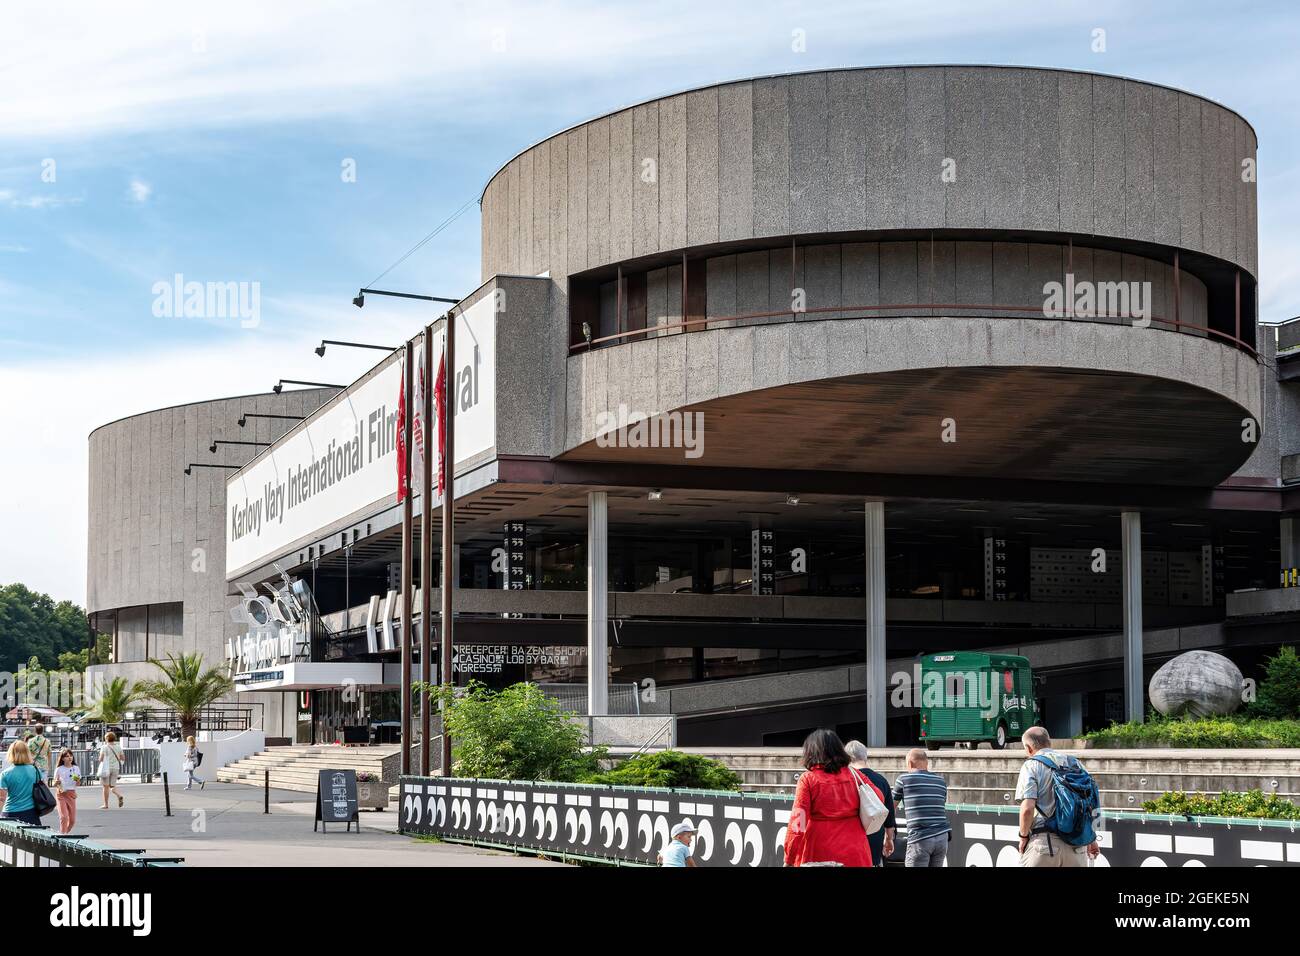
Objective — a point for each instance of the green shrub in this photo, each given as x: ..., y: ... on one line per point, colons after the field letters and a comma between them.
x: 1200, y: 732
x: 1252, y: 804
x: 514, y: 734
x: 669, y: 768
x: 1279, y: 691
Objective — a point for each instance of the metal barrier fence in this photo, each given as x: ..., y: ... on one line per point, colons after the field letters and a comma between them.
x: 142, y: 762
x: 24, y: 845
x: 624, y: 698
x: 631, y: 825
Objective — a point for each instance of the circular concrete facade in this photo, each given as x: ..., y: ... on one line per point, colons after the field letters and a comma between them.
x: 865, y: 150
x: 156, y: 552
x: 837, y: 261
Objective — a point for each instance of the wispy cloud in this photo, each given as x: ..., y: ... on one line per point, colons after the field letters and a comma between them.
x: 139, y: 190
x: 38, y: 200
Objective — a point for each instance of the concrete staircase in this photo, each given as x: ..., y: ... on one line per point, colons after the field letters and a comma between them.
x: 1127, y: 778
x: 297, y: 768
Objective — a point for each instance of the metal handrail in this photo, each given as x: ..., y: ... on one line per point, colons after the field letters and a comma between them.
x: 1031, y: 311
x: 667, y: 725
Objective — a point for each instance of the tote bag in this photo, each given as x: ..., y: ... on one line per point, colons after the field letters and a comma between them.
x: 871, y: 810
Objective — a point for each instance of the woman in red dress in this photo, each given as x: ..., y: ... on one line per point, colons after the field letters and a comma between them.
x: 824, y: 824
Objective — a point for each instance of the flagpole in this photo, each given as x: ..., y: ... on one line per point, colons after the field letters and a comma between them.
x: 426, y: 547
x: 404, y: 488
x: 448, y: 523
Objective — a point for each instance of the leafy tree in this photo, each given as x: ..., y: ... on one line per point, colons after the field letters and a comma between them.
x: 35, y: 625
x: 669, y: 768
x: 513, y: 734
x: 117, y: 698
x: 1279, y: 691
x: 186, y: 688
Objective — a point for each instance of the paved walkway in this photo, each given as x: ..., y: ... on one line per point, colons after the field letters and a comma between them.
x: 223, y: 825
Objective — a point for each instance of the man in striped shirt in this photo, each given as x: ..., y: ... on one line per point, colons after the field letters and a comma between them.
x: 923, y: 795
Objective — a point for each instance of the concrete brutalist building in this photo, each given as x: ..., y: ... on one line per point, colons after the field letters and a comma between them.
x: 947, y: 332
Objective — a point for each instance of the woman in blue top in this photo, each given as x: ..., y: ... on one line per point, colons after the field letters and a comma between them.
x: 17, y: 782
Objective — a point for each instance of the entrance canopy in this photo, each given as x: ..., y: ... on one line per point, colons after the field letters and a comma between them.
x: 305, y: 675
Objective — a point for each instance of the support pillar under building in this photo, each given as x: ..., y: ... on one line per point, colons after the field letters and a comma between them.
x: 1134, y: 689
x: 1289, y: 546
x: 874, y: 590
x: 597, y: 603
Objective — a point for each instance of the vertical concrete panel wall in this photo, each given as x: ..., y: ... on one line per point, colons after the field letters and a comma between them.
x: 1036, y: 150
x: 768, y: 179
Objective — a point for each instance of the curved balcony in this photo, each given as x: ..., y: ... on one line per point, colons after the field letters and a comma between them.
x: 990, y: 397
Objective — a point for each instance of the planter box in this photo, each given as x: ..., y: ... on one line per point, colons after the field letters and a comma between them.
x: 372, y: 795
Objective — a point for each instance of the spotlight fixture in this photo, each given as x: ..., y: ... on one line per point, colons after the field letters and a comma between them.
x: 245, y: 416
x: 655, y: 494
x: 792, y: 500
x: 360, y: 299
x: 320, y: 349
x: 278, y: 387
x: 213, y: 448
x: 198, y: 464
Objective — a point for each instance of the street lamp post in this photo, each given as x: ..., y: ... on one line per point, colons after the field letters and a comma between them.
x: 448, y: 524
x: 426, y: 542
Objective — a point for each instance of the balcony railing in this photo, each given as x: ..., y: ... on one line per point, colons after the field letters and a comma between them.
x: 909, y: 310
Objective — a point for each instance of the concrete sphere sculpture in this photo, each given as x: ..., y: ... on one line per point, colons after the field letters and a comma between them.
x: 1196, y: 684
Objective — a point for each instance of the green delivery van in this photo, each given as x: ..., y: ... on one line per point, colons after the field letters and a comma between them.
x: 967, y: 697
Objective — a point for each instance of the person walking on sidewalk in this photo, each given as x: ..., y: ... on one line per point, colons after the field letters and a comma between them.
x: 825, y: 828
x: 924, y: 796
x: 191, y: 763
x: 67, y: 777
x: 111, y: 759
x: 1058, y: 802
x: 17, y: 782
x: 882, y: 841
x: 39, y: 745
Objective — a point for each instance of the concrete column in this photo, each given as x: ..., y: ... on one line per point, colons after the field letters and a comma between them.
x: 1134, y: 691
x: 877, y: 689
x: 597, y: 603
x: 1074, y: 724
x: 1290, y: 543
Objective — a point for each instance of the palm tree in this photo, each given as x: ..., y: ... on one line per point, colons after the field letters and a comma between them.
x: 187, y: 688
x: 115, y: 699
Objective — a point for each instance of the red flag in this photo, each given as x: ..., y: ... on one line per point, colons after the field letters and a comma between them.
x: 440, y: 409
x: 403, y: 486
x: 420, y: 448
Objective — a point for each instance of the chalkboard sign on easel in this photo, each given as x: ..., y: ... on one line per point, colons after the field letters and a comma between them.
x: 336, y: 799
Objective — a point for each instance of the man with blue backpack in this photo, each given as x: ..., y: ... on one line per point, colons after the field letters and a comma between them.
x: 1059, y: 804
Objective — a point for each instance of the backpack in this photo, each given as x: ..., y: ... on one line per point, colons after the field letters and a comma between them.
x: 1078, y: 801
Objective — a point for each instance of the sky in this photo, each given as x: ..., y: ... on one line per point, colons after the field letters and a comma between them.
x: 302, y: 148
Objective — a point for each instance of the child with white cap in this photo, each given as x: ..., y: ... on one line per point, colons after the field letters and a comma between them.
x: 678, y: 850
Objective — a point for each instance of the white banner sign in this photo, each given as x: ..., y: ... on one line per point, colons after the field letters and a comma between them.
x: 344, y: 460
x: 334, y: 465
x: 473, y: 393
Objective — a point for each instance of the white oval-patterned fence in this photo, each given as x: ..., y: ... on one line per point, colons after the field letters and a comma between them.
x: 632, y: 825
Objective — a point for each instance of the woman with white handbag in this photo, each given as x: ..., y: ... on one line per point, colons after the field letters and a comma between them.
x: 834, y: 808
